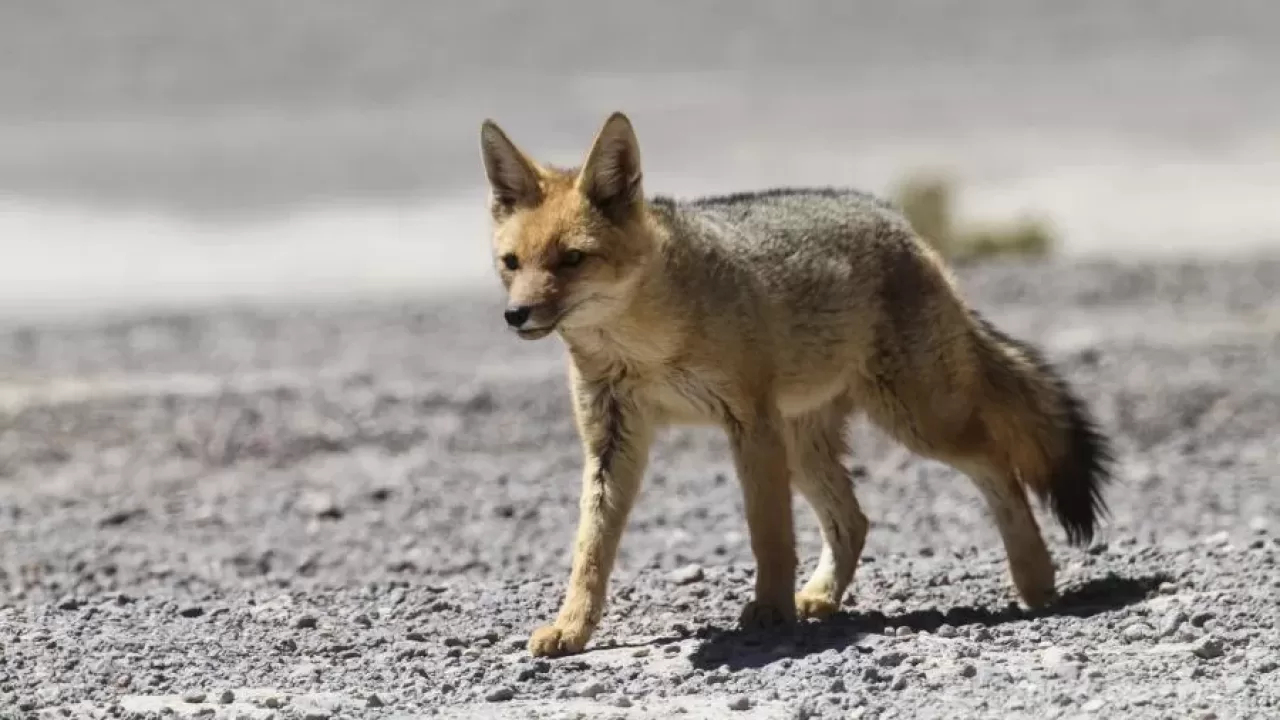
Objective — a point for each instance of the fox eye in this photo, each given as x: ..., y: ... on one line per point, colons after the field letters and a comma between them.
x: 511, y: 261
x: 571, y: 258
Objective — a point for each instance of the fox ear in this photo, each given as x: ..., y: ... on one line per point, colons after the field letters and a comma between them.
x: 610, y: 178
x: 513, y: 177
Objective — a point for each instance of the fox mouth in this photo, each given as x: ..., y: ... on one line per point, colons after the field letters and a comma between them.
x: 536, y: 332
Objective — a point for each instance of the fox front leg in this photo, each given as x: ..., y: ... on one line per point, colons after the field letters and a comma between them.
x: 616, y: 437
x: 760, y: 457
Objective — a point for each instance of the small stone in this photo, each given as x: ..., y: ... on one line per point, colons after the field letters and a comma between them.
x: 1137, y: 631
x: 892, y: 658
x: 271, y: 702
x: 226, y: 697
x: 501, y: 693
x: 193, y: 696
x: 900, y: 680
x: 640, y: 653
x: 686, y: 575
x: 305, y: 622
x: 945, y: 631
x: 1171, y: 622
x: 191, y: 611
x: 740, y: 703
x: 904, y: 631
x: 1061, y: 663
x: 1266, y: 666
x: 1200, y: 618
x: 620, y: 700
x: 374, y: 701
x: 1218, y: 538
x: 361, y: 620
x: 591, y: 689
x: 317, y: 714
x: 968, y: 671
x: 1207, y: 648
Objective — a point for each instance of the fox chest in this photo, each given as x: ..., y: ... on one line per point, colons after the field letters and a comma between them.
x: 682, y: 398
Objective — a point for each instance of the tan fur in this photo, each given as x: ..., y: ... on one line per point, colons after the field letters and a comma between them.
x: 676, y: 319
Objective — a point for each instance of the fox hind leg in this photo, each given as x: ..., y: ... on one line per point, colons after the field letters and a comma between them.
x: 817, y: 446
x: 960, y: 436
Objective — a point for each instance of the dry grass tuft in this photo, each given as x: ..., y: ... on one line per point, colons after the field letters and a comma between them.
x: 928, y: 200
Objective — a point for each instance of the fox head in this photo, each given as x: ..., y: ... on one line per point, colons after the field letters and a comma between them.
x: 569, y: 245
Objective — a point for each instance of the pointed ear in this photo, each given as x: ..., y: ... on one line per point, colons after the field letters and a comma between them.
x: 610, y: 177
x: 513, y: 177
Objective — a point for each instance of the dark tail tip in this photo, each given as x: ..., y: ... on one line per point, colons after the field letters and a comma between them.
x: 1077, y: 480
x: 1075, y: 487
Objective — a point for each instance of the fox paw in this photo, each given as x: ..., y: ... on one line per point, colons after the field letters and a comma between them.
x: 551, y: 641
x: 759, y: 615
x: 817, y: 607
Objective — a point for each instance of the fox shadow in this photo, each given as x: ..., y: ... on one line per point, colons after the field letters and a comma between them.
x: 741, y: 649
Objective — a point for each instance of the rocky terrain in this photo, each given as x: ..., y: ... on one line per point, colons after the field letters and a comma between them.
x: 361, y: 511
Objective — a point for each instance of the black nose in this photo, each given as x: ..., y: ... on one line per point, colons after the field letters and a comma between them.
x: 516, y: 315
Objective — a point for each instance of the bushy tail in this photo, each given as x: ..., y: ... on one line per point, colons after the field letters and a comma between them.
x: 1054, y: 442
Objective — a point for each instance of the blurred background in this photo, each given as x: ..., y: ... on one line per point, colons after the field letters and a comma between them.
x: 167, y: 152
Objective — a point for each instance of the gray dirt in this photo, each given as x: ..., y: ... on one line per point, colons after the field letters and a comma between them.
x: 362, y: 511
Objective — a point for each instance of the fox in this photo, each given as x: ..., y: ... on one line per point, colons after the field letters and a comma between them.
x: 778, y: 316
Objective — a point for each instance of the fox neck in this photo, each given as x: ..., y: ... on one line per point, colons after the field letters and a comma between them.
x: 644, y: 328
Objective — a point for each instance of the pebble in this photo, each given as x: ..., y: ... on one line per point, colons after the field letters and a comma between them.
x: 1207, y: 648
x: 892, y: 658
x: 1218, y: 538
x: 1062, y: 663
x: 1171, y: 622
x: 620, y: 700
x: 374, y: 701
x: 591, y: 689
x: 1137, y: 631
x: 900, y: 680
x: 502, y: 693
x: 967, y: 671
x: 1200, y: 618
x: 686, y: 575
x: 740, y: 703
x: 226, y: 697
x: 193, y: 696
x: 945, y: 631
x: 305, y: 622
x: 191, y: 611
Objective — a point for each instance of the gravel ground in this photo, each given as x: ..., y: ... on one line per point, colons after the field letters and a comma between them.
x: 361, y: 511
